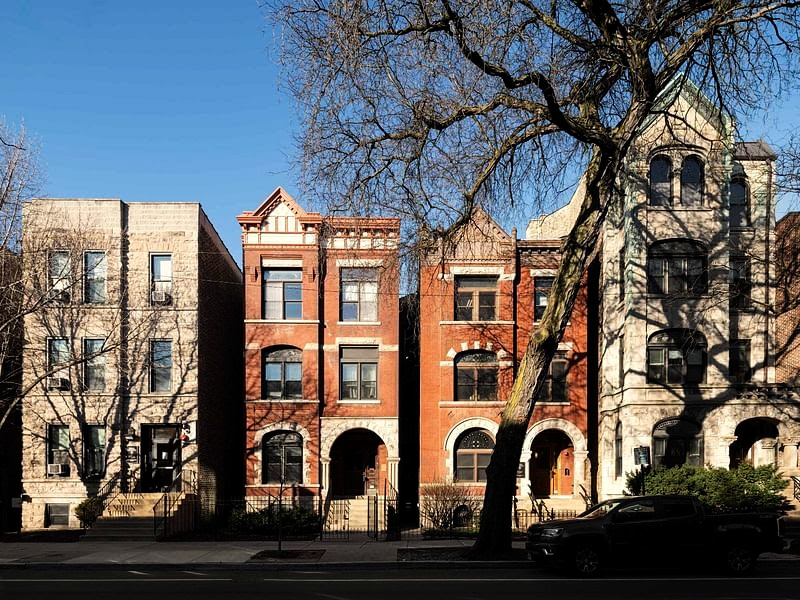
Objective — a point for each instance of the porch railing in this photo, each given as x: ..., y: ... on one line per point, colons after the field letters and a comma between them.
x: 796, y: 491
x: 175, y: 512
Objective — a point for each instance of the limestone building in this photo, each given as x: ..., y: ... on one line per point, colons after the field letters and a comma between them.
x: 131, y: 368
x: 687, y: 319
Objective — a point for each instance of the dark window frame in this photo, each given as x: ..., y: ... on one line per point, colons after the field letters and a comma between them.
x: 95, y: 272
x: 741, y: 283
x: 472, y: 450
x: 282, y: 458
x: 692, y: 191
x: 358, y: 294
x: 287, y: 283
x: 740, y: 217
x: 677, y: 267
x: 476, y: 372
x: 555, y: 388
x: 364, y: 359
x: 618, y: 450
x: 542, y: 287
x: 286, y: 358
x: 94, y: 365
x: 677, y: 357
x: 677, y: 442
x: 94, y: 451
x: 475, y: 298
x: 660, y: 192
x: 160, y: 284
x: 160, y: 369
x: 58, y: 447
x: 740, y: 368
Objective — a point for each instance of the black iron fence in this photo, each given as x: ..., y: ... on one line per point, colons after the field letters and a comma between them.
x: 378, y: 518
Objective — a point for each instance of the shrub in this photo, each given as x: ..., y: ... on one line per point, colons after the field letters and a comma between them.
x: 445, y: 505
x: 293, y: 521
x: 88, y: 510
x: 744, y: 489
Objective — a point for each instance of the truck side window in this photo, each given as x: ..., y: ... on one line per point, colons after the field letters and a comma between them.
x: 643, y: 510
x: 678, y: 507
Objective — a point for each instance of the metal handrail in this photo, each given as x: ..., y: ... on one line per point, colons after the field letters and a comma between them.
x: 106, y: 497
x: 171, y: 498
x: 796, y: 481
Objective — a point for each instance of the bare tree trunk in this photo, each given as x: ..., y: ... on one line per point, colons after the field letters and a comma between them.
x: 494, y: 537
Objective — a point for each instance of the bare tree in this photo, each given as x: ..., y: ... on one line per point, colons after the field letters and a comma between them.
x: 427, y: 109
x: 19, y: 180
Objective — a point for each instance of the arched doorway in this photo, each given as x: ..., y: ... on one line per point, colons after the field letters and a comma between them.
x: 552, y: 464
x: 358, y: 463
x: 755, y: 443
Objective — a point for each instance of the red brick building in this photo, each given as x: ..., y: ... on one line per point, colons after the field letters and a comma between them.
x: 479, y: 301
x: 787, y: 279
x: 321, y: 352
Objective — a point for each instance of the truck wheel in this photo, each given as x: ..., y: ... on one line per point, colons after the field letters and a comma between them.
x: 738, y: 559
x: 586, y: 561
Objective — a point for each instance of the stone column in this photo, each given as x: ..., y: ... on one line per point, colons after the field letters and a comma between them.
x: 392, y: 464
x: 324, y: 477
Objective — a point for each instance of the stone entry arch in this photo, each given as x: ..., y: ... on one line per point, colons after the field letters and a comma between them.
x: 562, y: 446
x: 756, y: 443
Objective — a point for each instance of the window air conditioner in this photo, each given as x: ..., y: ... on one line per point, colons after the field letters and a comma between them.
x: 61, y: 296
x: 57, y: 383
x: 56, y: 469
x: 159, y: 297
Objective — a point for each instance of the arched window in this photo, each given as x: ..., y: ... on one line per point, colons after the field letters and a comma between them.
x: 739, y: 203
x: 677, y: 267
x: 676, y: 357
x: 692, y: 180
x: 660, y: 181
x: 283, y: 374
x: 282, y: 458
x: 473, y: 451
x: 677, y: 442
x: 476, y: 376
x: 618, y: 450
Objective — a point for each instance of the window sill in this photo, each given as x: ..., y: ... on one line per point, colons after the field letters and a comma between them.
x: 548, y: 403
x: 476, y: 322
x: 363, y: 323
x: 282, y: 400
x: 469, y: 403
x: 743, y: 229
x: 470, y: 483
x: 283, y: 321
x: 673, y: 207
x: 341, y: 401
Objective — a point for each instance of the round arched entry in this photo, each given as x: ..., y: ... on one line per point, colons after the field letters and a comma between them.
x: 358, y: 463
x: 755, y: 443
x: 552, y: 464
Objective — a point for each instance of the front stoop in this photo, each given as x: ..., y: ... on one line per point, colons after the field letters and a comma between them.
x: 128, y: 518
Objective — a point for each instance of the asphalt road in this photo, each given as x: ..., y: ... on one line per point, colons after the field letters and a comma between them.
x: 779, y: 581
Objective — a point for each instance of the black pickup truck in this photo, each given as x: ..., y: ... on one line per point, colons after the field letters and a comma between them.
x: 653, y: 531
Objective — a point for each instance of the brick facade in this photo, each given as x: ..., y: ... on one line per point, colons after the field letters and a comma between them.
x: 554, y: 462
x: 787, y: 286
x: 300, y: 323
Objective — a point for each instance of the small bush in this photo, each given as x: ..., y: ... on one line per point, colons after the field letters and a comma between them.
x: 744, y: 489
x: 88, y: 510
x: 445, y: 505
x: 293, y: 521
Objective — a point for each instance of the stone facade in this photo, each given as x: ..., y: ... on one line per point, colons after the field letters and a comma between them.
x: 123, y: 391
x: 321, y: 352
x: 687, y: 294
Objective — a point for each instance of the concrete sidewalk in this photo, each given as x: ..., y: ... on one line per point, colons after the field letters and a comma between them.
x: 253, y: 554
x: 245, y: 554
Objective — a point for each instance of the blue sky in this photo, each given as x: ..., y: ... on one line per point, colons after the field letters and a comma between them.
x: 170, y: 100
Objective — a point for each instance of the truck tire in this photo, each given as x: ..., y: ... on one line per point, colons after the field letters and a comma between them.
x: 738, y: 558
x: 586, y: 560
